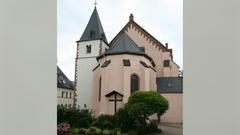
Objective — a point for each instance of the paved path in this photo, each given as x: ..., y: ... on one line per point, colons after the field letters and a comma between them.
x: 171, y: 129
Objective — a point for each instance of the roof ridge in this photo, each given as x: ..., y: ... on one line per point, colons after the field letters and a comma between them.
x: 124, y: 44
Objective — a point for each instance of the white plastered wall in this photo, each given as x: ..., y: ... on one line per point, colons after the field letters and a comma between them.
x: 85, y: 64
x: 65, y: 99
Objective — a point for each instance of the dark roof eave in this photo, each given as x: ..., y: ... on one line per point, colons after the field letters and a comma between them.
x: 65, y: 88
x: 92, y: 40
x: 176, y: 64
x: 145, y: 55
x: 169, y: 92
x: 112, y: 93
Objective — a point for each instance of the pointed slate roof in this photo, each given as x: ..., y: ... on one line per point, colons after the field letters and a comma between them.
x: 63, y: 81
x: 124, y: 45
x: 94, y: 29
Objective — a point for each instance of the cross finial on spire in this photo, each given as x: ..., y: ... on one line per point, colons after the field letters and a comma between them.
x: 95, y: 3
x: 131, y: 17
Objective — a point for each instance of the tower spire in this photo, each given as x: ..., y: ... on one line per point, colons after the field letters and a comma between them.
x: 94, y: 29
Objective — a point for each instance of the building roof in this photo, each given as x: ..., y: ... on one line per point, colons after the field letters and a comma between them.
x: 124, y: 44
x: 170, y: 84
x: 94, y: 29
x: 63, y: 81
x: 132, y: 23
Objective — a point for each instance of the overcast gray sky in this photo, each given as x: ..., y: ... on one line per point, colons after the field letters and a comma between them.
x: 161, y: 18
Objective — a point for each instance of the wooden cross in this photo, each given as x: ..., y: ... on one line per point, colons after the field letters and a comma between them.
x: 115, y: 100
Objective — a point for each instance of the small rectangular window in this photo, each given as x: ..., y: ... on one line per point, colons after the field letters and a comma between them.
x: 126, y: 62
x: 70, y: 96
x: 88, y: 48
x: 62, y: 94
x: 66, y: 94
x: 100, y: 89
x: 106, y: 63
x: 166, y: 63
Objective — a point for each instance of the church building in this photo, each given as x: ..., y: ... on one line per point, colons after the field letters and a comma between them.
x: 106, y: 74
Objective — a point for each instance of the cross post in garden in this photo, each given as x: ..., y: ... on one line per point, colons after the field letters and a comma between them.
x: 115, y: 100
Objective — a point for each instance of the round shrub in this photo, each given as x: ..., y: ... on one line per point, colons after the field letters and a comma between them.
x: 63, y: 128
x: 104, y: 122
x: 132, y: 132
x: 123, y: 120
x: 98, y: 131
x: 91, y: 131
x: 75, y: 117
x: 74, y: 130
x: 82, y: 131
x: 146, y: 103
x: 117, y: 131
x: 106, y: 132
x: 143, y: 104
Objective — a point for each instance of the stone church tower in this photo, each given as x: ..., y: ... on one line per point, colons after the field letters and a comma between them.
x: 92, y: 43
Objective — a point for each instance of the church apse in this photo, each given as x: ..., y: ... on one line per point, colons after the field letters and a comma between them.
x: 122, y: 79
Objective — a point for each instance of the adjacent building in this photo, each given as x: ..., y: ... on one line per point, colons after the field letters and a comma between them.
x: 65, y: 90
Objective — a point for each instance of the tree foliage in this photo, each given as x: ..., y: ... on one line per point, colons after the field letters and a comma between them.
x: 75, y: 117
x: 104, y: 121
x: 146, y: 103
x: 123, y: 120
x: 180, y: 73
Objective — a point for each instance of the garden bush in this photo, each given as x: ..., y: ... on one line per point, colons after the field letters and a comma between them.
x: 75, y: 117
x: 140, y: 106
x: 106, y: 132
x: 75, y: 131
x: 117, y: 131
x: 63, y: 128
x: 104, y: 122
x: 148, y: 129
x: 132, y: 132
x: 82, y: 131
x: 123, y: 120
x: 93, y: 131
x: 143, y: 104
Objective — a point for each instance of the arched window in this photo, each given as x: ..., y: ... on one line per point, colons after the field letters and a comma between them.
x: 100, y: 89
x: 88, y: 48
x: 134, y: 83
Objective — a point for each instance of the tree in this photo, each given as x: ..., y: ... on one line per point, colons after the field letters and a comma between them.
x: 143, y: 104
x: 75, y: 117
x: 180, y: 73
